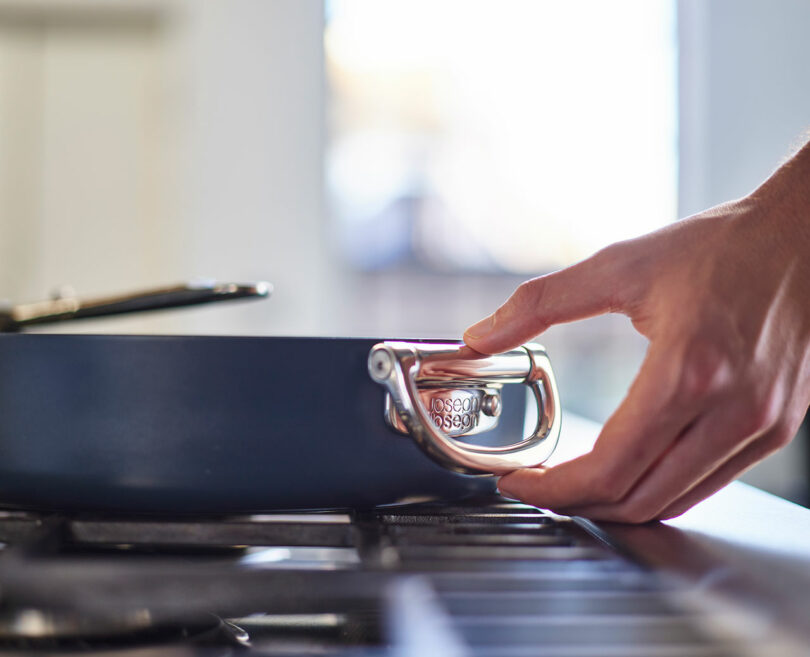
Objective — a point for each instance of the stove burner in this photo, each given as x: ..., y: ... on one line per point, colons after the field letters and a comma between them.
x: 40, y: 630
x: 36, y: 624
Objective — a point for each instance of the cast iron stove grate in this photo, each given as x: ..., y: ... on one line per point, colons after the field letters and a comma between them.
x: 478, y: 577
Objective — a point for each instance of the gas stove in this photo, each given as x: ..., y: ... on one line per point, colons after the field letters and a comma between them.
x: 480, y: 576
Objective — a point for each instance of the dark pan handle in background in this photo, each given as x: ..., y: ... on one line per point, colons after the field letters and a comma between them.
x: 69, y: 307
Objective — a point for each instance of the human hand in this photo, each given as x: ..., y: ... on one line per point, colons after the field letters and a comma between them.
x: 724, y: 300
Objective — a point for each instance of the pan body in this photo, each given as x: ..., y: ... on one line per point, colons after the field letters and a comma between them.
x: 177, y: 424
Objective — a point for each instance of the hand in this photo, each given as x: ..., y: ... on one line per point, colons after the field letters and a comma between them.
x: 724, y: 300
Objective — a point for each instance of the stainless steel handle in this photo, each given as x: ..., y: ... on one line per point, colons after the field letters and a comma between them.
x: 409, y: 370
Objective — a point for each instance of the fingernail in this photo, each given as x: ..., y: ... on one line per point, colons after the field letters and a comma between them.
x: 482, y: 328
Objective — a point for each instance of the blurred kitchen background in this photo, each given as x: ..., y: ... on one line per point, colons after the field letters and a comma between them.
x: 393, y: 167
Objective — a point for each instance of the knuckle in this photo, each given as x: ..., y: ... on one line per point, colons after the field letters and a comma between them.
x: 627, y: 261
x: 618, y: 253
x: 607, y: 257
x: 608, y: 488
x: 781, y: 435
x: 759, y: 418
x: 757, y: 413
x: 707, y: 369
x: 526, y: 301
x: 529, y: 293
x: 640, y: 517
x: 635, y: 514
x: 616, y: 262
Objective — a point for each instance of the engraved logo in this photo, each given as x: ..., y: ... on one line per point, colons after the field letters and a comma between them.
x: 455, y: 415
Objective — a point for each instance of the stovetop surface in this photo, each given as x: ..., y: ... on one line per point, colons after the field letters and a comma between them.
x: 483, y: 576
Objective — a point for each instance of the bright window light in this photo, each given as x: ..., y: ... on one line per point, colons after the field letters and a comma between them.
x: 514, y: 136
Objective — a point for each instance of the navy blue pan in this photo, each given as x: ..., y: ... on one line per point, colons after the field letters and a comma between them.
x: 177, y: 424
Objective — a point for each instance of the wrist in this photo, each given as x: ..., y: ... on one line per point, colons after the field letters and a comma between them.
x: 783, y: 201
x: 790, y: 183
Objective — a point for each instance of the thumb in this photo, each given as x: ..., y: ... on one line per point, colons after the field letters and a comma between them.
x: 588, y: 288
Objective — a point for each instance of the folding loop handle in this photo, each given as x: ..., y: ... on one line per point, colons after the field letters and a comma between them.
x: 461, y: 386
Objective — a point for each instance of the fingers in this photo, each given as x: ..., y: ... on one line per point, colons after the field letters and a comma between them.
x: 728, y: 472
x: 642, y: 429
x: 712, y: 452
x: 589, y: 288
x: 695, y: 455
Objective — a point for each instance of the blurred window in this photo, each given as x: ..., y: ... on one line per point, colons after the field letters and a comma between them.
x: 513, y: 136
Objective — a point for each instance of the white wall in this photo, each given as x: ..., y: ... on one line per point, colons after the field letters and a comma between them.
x: 255, y: 131
x: 142, y: 143
x: 744, y: 94
x: 82, y: 195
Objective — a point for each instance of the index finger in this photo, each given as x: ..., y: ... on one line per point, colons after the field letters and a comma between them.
x: 591, y: 287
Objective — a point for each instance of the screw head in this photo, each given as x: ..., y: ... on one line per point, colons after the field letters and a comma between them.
x: 491, y: 405
x: 380, y: 364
